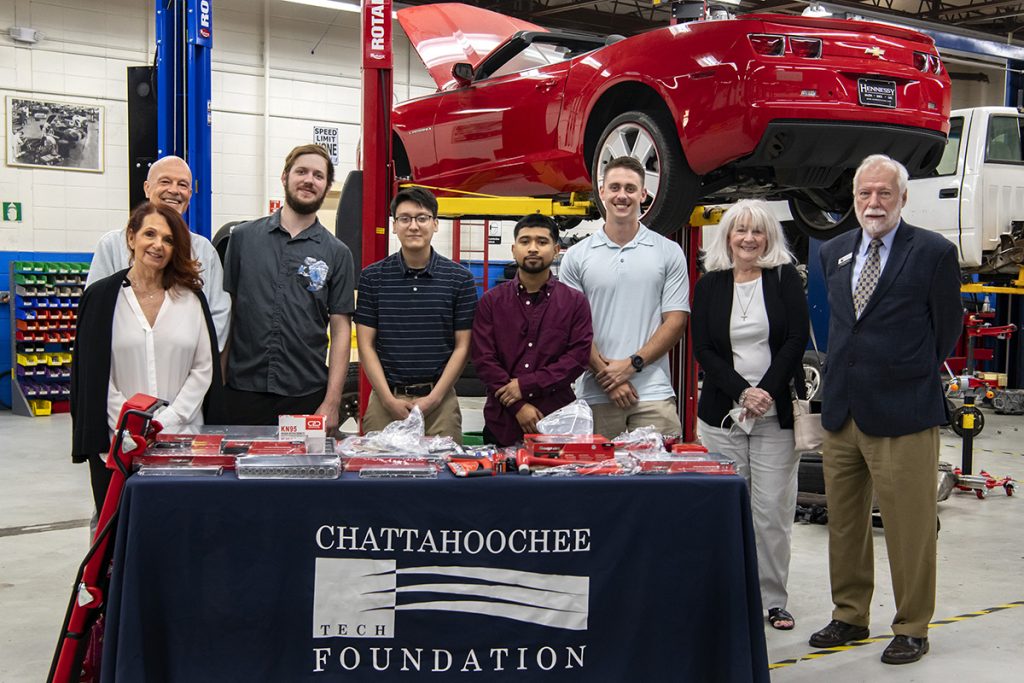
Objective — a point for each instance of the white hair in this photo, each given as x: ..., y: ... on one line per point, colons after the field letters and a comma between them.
x: 902, y: 175
x: 718, y: 255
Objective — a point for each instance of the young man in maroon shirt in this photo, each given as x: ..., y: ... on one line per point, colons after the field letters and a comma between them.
x: 531, y: 338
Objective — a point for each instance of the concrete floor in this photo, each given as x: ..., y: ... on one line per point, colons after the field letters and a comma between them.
x: 45, y: 506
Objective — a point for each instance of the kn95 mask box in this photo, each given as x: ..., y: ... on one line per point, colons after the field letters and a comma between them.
x: 310, y: 427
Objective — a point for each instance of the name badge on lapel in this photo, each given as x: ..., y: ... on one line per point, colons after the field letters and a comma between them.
x: 843, y: 260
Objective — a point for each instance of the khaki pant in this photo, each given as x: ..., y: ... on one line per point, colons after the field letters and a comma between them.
x: 444, y: 420
x: 611, y: 420
x: 766, y: 459
x: 903, y: 471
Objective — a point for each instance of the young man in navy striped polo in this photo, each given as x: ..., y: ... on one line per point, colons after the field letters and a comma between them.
x: 414, y: 314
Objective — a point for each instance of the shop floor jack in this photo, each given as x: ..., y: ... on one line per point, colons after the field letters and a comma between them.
x: 982, y: 482
x: 82, y: 625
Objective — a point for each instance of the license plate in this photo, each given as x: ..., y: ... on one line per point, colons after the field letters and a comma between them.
x: 872, y: 93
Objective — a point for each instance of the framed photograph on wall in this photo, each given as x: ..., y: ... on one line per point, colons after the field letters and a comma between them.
x: 62, y: 135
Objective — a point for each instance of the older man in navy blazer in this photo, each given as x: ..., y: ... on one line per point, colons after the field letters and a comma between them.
x: 894, y: 295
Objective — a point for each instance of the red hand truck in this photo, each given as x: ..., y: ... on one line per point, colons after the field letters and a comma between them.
x: 135, y: 429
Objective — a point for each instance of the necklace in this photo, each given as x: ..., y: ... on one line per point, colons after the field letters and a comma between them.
x: 139, y: 294
x: 750, y: 299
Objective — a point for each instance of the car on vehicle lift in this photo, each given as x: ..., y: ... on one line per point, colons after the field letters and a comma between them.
x: 772, y: 106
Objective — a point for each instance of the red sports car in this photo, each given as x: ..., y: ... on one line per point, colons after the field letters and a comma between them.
x: 772, y: 106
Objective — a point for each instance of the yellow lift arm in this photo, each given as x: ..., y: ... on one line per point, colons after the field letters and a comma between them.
x: 1016, y: 286
x: 475, y: 205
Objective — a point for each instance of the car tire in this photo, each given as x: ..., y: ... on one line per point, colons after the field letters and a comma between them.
x: 350, y: 395
x: 813, y: 375
x: 819, y: 223
x: 222, y: 237
x: 651, y: 139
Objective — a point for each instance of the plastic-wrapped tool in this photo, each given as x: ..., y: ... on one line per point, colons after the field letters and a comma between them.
x: 575, y: 418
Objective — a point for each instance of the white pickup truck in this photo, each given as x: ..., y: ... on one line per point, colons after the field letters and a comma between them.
x: 975, y: 197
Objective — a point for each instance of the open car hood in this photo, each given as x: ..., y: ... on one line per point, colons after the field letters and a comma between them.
x: 444, y: 34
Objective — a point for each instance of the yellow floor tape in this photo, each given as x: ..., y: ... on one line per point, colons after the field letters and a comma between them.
x: 818, y: 654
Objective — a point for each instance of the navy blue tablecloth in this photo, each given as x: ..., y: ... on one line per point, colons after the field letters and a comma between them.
x: 505, y: 578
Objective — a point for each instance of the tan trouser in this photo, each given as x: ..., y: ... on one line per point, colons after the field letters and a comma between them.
x: 444, y: 420
x: 611, y: 420
x: 903, y: 471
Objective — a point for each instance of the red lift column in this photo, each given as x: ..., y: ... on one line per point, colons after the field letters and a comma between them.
x: 376, y: 140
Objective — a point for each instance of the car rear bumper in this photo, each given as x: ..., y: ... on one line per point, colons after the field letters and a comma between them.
x: 817, y: 153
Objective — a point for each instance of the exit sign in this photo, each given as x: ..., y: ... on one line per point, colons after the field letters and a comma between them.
x: 11, y: 212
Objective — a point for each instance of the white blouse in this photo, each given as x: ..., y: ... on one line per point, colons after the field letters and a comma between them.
x: 171, y: 360
x: 748, y: 333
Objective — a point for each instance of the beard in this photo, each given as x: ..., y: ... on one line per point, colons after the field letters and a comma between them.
x: 878, y: 226
x: 533, y: 267
x: 303, y: 208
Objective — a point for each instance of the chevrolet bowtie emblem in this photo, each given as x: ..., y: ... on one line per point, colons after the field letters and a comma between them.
x: 874, y: 51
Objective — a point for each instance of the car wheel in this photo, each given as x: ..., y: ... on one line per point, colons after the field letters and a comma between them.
x: 819, y: 222
x: 651, y: 139
x: 813, y: 377
x: 350, y: 395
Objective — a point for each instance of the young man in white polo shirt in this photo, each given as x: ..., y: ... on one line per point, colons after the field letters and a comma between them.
x: 639, y: 292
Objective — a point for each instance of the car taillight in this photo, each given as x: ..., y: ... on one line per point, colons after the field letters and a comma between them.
x: 806, y: 47
x: 927, y: 63
x: 768, y: 45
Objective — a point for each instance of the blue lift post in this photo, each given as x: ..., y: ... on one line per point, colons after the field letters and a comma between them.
x: 184, y: 39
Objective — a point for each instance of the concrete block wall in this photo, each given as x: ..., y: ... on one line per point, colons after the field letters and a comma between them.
x: 80, y: 58
x: 308, y: 73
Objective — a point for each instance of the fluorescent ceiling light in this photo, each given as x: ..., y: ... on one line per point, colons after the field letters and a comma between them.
x: 329, y: 4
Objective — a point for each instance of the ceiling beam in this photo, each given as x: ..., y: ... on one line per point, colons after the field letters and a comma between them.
x: 974, y: 7
x: 564, y: 8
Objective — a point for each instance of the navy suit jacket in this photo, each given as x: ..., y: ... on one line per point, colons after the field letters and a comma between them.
x: 883, y: 368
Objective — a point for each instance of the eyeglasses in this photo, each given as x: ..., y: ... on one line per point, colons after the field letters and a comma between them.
x: 422, y: 220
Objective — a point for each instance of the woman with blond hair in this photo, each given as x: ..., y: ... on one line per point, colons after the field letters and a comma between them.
x: 750, y: 328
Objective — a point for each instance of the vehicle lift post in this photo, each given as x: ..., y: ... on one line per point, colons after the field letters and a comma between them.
x: 184, y: 41
x: 378, y: 174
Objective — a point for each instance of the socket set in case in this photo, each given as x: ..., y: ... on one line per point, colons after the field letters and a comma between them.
x: 288, y: 467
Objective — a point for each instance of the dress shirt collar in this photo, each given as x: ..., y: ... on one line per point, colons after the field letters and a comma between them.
x: 887, y: 240
x: 520, y: 288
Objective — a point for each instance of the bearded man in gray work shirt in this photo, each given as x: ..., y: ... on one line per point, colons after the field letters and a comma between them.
x: 289, y: 279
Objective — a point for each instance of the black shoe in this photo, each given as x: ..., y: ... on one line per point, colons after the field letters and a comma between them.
x: 904, y: 650
x: 838, y: 633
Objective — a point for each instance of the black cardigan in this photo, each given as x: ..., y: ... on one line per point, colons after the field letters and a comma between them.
x: 90, y: 365
x: 786, y: 304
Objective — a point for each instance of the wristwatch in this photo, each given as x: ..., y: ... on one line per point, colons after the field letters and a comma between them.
x: 637, y: 361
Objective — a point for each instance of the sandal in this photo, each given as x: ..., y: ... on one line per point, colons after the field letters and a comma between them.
x: 777, y: 616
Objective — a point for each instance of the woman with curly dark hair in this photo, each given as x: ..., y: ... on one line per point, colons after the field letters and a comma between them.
x: 146, y: 329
